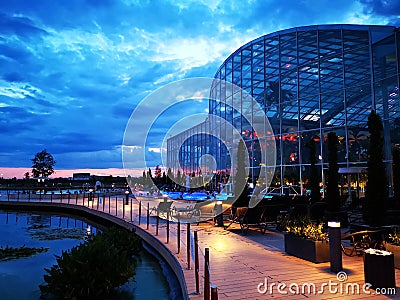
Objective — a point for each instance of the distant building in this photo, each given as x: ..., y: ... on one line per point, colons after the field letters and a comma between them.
x: 81, y: 176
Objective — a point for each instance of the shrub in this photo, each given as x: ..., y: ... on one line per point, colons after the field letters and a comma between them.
x: 306, y: 228
x: 95, y: 267
x: 394, y: 237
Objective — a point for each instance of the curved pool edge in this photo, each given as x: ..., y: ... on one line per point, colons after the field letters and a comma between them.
x: 104, y: 219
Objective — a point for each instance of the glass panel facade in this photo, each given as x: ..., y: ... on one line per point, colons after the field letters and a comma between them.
x: 309, y: 81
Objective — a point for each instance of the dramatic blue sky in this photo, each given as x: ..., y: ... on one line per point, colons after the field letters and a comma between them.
x: 72, y: 71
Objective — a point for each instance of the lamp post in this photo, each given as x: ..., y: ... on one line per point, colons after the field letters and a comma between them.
x: 165, y: 197
x: 126, y: 197
x: 90, y: 195
x: 335, y: 248
x: 218, y: 214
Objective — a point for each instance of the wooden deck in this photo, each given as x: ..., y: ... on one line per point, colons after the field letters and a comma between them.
x: 240, y: 265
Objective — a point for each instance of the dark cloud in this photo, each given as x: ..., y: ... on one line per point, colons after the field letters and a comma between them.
x: 21, y: 26
x: 386, y: 8
x: 13, y: 77
x: 291, y: 13
x: 17, y: 54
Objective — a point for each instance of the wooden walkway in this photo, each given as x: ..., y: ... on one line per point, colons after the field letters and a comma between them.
x: 243, y: 265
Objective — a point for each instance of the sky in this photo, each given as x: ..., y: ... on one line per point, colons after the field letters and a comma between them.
x: 72, y: 72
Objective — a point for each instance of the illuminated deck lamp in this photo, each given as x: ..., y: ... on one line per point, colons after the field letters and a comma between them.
x: 218, y: 214
x: 90, y: 195
x: 335, y: 248
x: 126, y: 197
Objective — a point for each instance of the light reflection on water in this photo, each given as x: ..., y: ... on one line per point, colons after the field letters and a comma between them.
x: 20, y: 278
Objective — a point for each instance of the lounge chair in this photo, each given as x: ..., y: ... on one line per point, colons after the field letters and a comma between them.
x: 163, y: 209
x: 355, y: 243
x: 248, y: 217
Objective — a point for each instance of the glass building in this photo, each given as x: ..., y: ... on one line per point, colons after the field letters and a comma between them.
x: 309, y: 81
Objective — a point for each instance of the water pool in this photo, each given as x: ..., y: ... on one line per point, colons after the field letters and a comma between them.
x: 20, y: 278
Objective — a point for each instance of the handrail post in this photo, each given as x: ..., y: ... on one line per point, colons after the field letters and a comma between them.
x: 140, y: 210
x: 157, y: 223
x: 206, y: 274
x: 123, y: 210
x: 179, y: 236
x: 131, y: 211
x: 196, y: 262
x: 148, y: 215
x: 188, y: 245
x: 167, y: 227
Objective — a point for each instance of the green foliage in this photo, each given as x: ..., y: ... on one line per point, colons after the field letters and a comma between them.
x: 94, y: 268
x: 394, y: 237
x: 306, y: 228
x: 9, y: 253
x: 376, y: 192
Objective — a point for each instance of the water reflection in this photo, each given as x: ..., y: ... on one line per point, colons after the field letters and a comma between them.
x: 20, y: 278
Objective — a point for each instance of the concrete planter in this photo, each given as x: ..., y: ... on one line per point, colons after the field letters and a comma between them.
x: 396, y: 252
x: 314, y: 251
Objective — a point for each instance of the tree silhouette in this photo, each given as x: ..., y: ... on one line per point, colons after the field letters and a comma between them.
x: 332, y: 189
x: 376, y: 192
x: 396, y: 174
x: 313, y: 180
x: 42, y: 164
x: 240, y: 187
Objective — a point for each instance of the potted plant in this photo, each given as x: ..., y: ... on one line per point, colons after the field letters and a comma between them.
x: 307, y: 240
x: 393, y: 245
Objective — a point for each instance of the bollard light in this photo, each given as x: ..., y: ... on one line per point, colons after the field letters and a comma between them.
x: 333, y: 224
x: 90, y: 195
x: 218, y: 214
x: 126, y: 197
x: 335, y: 247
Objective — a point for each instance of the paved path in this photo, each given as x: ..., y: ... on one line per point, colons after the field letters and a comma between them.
x: 240, y: 265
